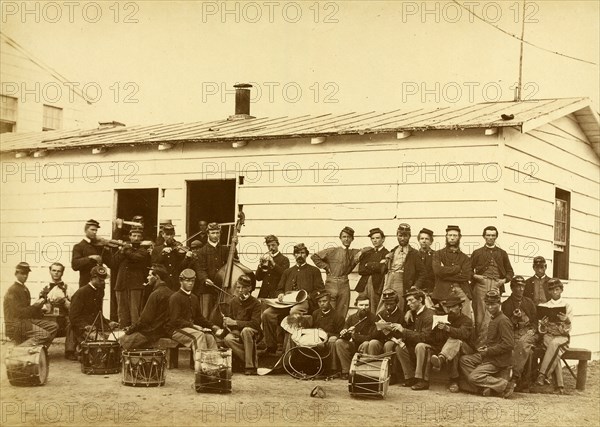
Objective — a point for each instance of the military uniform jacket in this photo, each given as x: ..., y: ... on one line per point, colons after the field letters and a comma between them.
x: 370, y: 265
x: 17, y: 304
x: 80, y: 261
x: 500, y: 341
x: 426, y: 258
x: 413, y: 269
x: 363, y: 331
x: 530, y: 288
x: 526, y: 306
x: 450, y: 268
x: 210, y: 260
x: 331, y: 322
x: 271, y: 277
x: 393, y: 317
x: 132, y: 264
x: 481, y: 258
x: 245, y: 313
x: 154, y: 317
x: 85, y: 305
x: 173, y: 262
x: 419, y: 329
x: 184, y: 312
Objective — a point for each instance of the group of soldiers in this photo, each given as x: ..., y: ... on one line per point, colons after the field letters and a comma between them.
x: 439, y: 309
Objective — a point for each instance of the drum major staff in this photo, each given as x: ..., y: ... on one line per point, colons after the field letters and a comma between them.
x: 23, y: 320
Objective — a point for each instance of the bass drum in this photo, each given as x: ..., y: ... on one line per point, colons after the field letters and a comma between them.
x: 27, y: 366
x: 369, y: 376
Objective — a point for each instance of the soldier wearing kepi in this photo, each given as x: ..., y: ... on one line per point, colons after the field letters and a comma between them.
x: 186, y: 324
x: 86, y: 305
x: 536, y: 287
x: 338, y: 263
x: 404, y: 266
x: 243, y: 323
x: 329, y: 320
x: 23, y: 320
x: 371, y: 267
x: 494, y: 356
x: 522, y: 313
x: 271, y: 268
x: 87, y: 254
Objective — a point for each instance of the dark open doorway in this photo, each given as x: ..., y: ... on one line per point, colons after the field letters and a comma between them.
x: 211, y: 201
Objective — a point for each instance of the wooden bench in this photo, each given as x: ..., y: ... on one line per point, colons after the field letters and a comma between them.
x: 580, y: 354
x: 172, y: 348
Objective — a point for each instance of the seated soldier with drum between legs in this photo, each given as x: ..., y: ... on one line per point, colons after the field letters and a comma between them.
x: 23, y: 320
x: 243, y: 323
x: 358, y: 330
x: 85, y: 315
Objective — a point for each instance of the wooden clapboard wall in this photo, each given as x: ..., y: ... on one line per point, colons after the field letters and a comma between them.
x: 556, y: 155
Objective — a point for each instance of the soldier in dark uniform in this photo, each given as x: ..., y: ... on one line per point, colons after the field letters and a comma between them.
x: 271, y: 268
x: 332, y: 322
x: 425, y: 238
x: 88, y: 253
x: 85, y: 306
x: 536, y: 287
x: 170, y: 256
x: 23, y: 320
x: 152, y: 322
x: 211, y: 257
x: 202, y: 233
x: 132, y: 262
x: 371, y: 267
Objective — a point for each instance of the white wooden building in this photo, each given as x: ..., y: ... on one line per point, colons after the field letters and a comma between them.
x: 35, y: 97
x: 535, y: 176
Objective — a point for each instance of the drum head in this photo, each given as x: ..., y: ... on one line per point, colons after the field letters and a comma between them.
x: 302, y: 363
x: 43, y: 367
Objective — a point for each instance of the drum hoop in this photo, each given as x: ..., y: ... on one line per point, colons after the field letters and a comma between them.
x: 294, y: 372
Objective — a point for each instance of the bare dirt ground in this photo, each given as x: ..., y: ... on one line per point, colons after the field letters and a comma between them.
x: 72, y: 398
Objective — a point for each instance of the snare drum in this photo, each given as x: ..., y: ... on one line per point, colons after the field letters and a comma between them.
x: 144, y: 368
x: 369, y: 376
x: 213, y: 371
x: 100, y: 357
x: 27, y: 366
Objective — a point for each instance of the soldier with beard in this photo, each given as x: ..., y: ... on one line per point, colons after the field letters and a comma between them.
x: 358, y: 331
x: 449, y: 340
x: 452, y: 270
